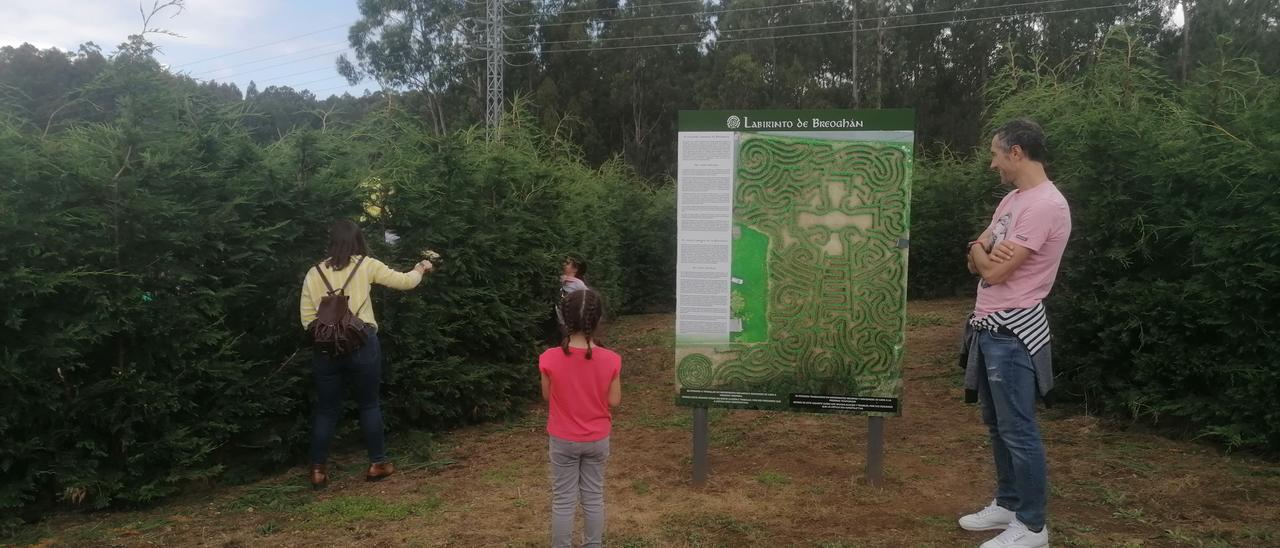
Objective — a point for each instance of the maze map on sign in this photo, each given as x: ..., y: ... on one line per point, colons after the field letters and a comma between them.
x: 819, y: 265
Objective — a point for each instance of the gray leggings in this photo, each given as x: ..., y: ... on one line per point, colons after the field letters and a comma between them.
x: 577, y: 469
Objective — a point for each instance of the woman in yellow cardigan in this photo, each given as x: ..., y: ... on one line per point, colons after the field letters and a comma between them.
x: 348, y: 260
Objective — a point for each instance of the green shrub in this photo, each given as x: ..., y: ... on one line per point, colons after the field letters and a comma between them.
x: 152, y: 265
x: 951, y: 203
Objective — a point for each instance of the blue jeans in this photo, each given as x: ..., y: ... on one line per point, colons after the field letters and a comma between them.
x: 1008, y: 395
x: 363, y: 368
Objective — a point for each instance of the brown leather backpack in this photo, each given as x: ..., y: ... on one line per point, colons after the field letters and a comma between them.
x: 336, y: 330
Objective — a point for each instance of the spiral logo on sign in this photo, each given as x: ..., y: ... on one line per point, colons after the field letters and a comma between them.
x: 733, y: 122
x: 694, y: 371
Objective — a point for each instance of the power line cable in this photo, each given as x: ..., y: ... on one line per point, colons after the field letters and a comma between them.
x: 797, y: 25
x: 827, y: 33
x: 277, y: 65
x: 282, y: 77
x: 815, y: 3
x: 254, y: 62
x: 629, y: 6
x: 260, y: 46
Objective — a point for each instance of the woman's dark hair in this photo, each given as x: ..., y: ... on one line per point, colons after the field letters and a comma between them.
x: 582, y: 310
x: 345, y: 240
x: 579, y: 265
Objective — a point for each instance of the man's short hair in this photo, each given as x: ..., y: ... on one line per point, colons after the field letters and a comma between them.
x: 1025, y: 134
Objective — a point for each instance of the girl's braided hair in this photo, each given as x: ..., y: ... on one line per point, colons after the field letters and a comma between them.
x: 582, y: 310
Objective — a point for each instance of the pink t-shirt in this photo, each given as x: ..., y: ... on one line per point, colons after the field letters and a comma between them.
x: 580, y: 392
x: 1037, y: 219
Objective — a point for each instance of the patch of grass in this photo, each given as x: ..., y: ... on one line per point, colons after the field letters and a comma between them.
x: 631, y: 542
x: 1132, y: 514
x: 267, y: 529
x: 943, y: 359
x: 819, y: 489
x: 656, y: 337
x: 682, y: 418
x: 1057, y: 492
x: 1180, y: 537
x: 640, y: 487
x: 505, y: 474
x: 1131, y: 448
x: 96, y: 533
x: 345, y: 510
x: 93, y: 534
x: 932, y: 460
x: 141, y: 526
x: 682, y: 421
x: 1265, y: 535
x: 1065, y: 525
x: 926, y: 319
x: 938, y: 522
x: 524, y: 421
x: 1113, y: 498
x: 1141, y: 466
x: 1068, y: 540
x: 1268, y: 472
x: 418, y: 450
x: 772, y: 479
x: 267, y: 497
x: 1212, y: 539
x: 14, y: 532
x: 712, y: 529
x: 727, y: 437
x: 11, y: 526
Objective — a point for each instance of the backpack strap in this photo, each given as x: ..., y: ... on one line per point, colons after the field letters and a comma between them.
x: 366, y: 299
x: 351, y: 275
x: 342, y: 289
x: 327, y: 285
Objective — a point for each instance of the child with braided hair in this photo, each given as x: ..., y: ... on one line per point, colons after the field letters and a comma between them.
x: 580, y: 382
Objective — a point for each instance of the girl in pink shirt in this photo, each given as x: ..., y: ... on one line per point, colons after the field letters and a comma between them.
x: 580, y: 382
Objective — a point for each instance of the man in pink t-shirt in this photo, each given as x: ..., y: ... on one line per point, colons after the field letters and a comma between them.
x: 1017, y: 258
x: 1037, y: 222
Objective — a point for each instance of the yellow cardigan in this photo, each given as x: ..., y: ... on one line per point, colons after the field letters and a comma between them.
x: 372, y: 271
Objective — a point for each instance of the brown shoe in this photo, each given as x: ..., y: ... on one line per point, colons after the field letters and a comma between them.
x: 379, y: 470
x: 319, y: 477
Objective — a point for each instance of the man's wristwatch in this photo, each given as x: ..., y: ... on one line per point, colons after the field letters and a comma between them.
x: 970, y: 245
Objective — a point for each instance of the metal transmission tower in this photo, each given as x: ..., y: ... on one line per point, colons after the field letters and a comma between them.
x: 493, y: 106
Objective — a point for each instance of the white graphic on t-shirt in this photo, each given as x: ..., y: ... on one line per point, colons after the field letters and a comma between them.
x: 999, y: 232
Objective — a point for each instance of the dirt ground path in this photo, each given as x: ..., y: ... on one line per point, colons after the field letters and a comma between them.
x: 777, y: 479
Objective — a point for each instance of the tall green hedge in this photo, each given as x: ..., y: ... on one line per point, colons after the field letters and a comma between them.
x: 151, y: 269
x: 951, y: 201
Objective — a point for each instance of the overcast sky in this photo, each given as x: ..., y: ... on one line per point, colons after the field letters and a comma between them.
x: 272, y: 42
x: 270, y: 31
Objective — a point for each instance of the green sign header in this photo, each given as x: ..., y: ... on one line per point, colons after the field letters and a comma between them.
x: 901, y: 119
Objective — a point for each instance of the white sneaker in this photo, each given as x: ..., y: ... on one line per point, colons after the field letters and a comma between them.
x: 991, y: 518
x: 1018, y: 536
